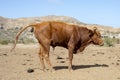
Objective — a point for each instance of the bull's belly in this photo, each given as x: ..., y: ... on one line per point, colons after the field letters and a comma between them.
x: 54, y: 44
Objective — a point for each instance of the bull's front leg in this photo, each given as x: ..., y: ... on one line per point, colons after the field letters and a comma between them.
x: 70, y: 54
x: 71, y: 46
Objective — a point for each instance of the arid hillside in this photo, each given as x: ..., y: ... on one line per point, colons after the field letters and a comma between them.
x: 21, y: 22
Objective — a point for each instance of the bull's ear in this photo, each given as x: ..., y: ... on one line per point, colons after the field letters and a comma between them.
x: 91, y: 33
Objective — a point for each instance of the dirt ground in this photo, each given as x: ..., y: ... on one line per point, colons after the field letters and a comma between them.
x: 96, y: 63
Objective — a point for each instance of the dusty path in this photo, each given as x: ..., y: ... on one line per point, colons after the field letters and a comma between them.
x: 97, y: 63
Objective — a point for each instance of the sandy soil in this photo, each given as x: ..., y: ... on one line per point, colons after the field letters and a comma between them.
x: 97, y: 63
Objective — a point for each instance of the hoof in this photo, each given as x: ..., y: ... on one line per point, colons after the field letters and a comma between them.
x: 52, y: 70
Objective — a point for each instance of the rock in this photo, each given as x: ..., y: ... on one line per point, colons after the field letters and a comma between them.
x: 60, y: 61
x: 118, y: 60
x: 117, y: 63
x: 58, y: 57
x: 5, y: 54
x: 93, y: 55
x: 100, y: 53
x: 30, y: 70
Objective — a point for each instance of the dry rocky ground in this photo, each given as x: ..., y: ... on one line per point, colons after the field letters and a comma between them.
x: 96, y: 63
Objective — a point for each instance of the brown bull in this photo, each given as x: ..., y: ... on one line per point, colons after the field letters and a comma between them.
x: 72, y: 37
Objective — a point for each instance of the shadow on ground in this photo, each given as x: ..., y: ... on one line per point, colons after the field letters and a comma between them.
x: 75, y: 67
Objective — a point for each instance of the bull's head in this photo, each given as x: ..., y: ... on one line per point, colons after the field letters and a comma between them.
x: 96, y: 37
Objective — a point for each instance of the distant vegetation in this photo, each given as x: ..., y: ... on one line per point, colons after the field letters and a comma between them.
x: 8, y: 36
x: 111, y: 39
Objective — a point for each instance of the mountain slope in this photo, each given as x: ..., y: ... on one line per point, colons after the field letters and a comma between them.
x: 21, y: 22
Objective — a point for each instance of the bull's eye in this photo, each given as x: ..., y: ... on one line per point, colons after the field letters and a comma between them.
x: 98, y: 34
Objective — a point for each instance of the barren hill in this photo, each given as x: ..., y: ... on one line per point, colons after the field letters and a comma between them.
x: 21, y: 22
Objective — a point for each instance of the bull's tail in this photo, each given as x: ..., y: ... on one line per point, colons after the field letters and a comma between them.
x: 18, y: 34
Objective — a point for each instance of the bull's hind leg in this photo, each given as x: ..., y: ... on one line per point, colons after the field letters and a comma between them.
x: 47, y: 58
x: 41, y: 55
x: 45, y: 49
x: 48, y: 62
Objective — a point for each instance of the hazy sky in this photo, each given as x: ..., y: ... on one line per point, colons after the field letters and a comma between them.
x: 104, y: 12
